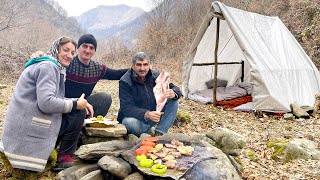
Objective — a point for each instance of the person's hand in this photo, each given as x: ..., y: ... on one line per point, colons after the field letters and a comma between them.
x: 170, y: 94
x: 37, y: 54
x: 81, y: 103
x: 154, y: 116
x: 89, y: 110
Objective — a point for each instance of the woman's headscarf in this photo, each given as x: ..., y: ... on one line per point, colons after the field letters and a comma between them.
x: 54, y: 51
x: 52, y: 55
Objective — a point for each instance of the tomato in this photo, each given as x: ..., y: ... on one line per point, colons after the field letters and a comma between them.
x: 148, y: 148
x: 148, y: 143
x: 140, y: 157
x: 159, y: 169
x: 140, y: 151
x: 146, y: 163
x: 152, y: 139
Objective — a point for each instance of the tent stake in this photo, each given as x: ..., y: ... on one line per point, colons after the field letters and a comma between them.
x: 216, y: 64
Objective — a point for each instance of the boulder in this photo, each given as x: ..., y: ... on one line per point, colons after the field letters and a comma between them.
x: 116, y: 166
x: 94, y: 175
x: 219, y: 168
x: 298, y: 111
x: 228, y: 141
x: 301, y: 149
x: 77, y: 171
x: 98, y: 150
x: 117, y: 130
x: 134, y: 176
x: 91, y: 140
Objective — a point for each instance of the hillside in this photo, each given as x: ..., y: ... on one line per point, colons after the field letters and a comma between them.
x: 32, y: 25
x: 106, y: 22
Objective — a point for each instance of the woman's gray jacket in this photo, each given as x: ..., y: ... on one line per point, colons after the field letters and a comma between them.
x: 33, y: 119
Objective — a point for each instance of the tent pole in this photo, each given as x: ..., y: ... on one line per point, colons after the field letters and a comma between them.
x: 216, y: 64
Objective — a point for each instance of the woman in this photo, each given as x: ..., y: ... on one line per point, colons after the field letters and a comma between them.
x: 33, y: 119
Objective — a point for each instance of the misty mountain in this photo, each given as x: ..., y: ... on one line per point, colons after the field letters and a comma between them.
x: 33, y: 24
x: 107, y: 22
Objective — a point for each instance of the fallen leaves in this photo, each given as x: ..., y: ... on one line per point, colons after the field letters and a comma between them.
x: 258, y: 132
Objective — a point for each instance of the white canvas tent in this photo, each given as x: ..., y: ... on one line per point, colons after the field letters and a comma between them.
x: 276, y: 66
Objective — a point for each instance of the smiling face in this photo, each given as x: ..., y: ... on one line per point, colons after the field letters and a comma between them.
x: 141, y: 68
x: 66, y: 53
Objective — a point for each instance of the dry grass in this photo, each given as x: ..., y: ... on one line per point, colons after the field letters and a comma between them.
x: 258, y: 131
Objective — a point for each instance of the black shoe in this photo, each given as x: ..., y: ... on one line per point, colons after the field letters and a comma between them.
x: 62, y: 166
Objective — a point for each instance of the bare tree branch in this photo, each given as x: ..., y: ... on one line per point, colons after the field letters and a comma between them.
x: 11, y: 14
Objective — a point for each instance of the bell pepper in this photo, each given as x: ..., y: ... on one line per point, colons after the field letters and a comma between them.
x: 148, y: 143
x: 148, y: 148
x: 146, y: 163
x: 140, y: 157
x: 99, y: 118
x: 152, y: 139
x: 140, y: 151
x: 159, y: 169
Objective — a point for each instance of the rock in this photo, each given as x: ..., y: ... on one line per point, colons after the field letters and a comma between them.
x: 301, y: 149
x: 98, y: 150
x: 94, y: 175
x: 76, y: 172
x: 134, y: 176
x: 143, y: 136
x: 298, y: 111
x: 116, y: 166
x: 2, y: 86
x: 288, y: 116
x: 117, y: 130
x: 228, y: 141
x: 91, y: 140
x: 219, y: 168
x: 236, y: 163
x: 180, y: 137
x: 308, y: 109
x: 133, y: 138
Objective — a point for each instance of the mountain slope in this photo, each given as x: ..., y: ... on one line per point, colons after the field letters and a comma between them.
x: 112, y: 21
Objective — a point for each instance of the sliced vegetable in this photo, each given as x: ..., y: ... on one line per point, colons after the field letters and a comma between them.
x: 159, y: 169
x: 148, y: 148
x: 99, y: 118
x: 152, y: 139
x: 146, y: 163
x: 140, y: 151
x: 148, y: 143
x: 140, y: 157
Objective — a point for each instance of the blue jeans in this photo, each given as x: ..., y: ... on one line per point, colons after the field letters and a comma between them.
x: 139, y: 126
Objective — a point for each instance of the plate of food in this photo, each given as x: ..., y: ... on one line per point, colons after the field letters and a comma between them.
x: 100, y: 121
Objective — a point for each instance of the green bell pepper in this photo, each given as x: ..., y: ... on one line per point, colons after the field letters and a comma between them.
x: 146, y: 163
x: 159, y: 169
x: 141, y: 157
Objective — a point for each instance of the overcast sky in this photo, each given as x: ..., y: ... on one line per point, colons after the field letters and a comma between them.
x: 77, y: 7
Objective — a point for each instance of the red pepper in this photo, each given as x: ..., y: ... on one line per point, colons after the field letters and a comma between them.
x: 148, y: 148
x: 152, y: 139
x: 148, y: 143
x: 140, y: 151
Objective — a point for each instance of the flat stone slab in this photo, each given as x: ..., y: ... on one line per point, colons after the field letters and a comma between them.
x: 118, y: 130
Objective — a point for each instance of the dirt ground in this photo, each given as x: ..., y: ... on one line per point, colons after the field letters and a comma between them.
x: 258, y: 132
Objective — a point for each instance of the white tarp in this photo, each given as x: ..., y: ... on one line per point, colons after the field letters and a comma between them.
x: 279, y: 70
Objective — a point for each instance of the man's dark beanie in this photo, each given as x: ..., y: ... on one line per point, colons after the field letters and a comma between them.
x: 88, y: 38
